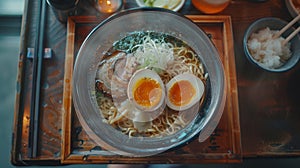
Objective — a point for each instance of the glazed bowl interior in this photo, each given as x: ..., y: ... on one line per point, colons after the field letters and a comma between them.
x: 101, y: 39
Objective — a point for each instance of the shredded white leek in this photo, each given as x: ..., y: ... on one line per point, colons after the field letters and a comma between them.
x: 154, y: 53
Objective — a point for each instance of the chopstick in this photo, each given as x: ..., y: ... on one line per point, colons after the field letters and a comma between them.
x: 279, y: 33
x: 291, y: 35
x: 36, y: 82
x: 287, y: 26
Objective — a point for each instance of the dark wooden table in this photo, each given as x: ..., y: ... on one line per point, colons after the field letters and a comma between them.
x: 269, y: 110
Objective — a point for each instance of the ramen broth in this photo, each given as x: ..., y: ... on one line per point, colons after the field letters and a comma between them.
x: 167, y: 55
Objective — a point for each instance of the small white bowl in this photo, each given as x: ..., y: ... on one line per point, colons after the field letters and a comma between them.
x: 141, y: 3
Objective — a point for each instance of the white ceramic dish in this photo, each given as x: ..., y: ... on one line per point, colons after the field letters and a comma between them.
x: 176, y: 8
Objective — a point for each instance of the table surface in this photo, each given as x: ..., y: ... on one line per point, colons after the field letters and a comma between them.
x: 268, y: 102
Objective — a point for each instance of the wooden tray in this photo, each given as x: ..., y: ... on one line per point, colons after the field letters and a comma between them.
x: 224, y: 145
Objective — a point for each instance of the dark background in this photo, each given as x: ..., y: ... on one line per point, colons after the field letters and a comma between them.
x: 10, y: 26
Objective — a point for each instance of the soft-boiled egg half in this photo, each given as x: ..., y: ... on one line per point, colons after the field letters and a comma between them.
x: 183, y: 91
x: 146, y: 90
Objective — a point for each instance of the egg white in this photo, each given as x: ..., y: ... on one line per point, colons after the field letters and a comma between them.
x: 196, y: 83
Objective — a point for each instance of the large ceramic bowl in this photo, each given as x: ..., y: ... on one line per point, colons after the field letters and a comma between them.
x: 101, y: 39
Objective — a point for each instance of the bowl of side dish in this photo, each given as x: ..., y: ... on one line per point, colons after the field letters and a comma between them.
x: 174, y: 5
x: 264, y: 49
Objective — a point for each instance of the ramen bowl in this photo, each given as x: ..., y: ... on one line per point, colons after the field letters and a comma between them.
x: 145, y: 38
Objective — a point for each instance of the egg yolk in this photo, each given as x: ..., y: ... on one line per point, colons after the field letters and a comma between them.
x: 181, y: 93
x: 147, y: 92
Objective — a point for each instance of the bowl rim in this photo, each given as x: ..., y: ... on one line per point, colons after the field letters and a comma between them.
x: 292, y: 8
x: 251, y: 30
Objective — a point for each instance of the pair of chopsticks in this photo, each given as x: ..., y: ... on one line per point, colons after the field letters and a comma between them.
x: 36, y: 82
x: 278, y: 34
